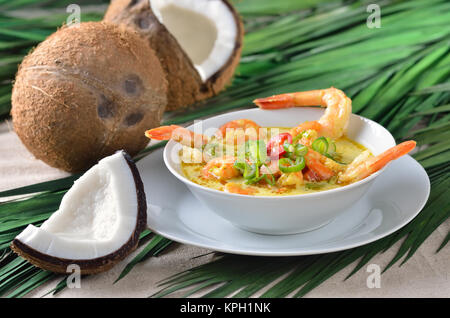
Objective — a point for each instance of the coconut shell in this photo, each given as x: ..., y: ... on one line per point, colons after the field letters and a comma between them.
x: 85, y: 92
x: 100, y: 264
x: 185, y: 84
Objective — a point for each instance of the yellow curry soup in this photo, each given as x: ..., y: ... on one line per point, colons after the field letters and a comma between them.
x: 346, y: 151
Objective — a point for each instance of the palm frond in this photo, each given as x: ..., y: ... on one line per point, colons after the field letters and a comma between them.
x: 402, y: 87
x: 242, y: 276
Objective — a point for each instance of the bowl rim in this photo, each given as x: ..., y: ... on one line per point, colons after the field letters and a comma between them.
x: 179, y: 176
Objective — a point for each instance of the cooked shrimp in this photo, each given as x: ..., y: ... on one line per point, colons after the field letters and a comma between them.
x: 324, y: 160
x: 232, y: 187
x: 311, y: 128
x: 178, y: 134
x: 309, y: 135
x: 239, y: 130
x: 221, y: 168
x: 363, y: 165
x: 334, y: 121
x: 316, y: 169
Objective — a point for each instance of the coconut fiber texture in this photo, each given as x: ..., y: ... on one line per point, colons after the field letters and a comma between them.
x: 185, y: 84
x: 85, y: 92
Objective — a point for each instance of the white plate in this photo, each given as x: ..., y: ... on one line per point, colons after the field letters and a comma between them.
x: 394, y: 199
x: 283, y: 214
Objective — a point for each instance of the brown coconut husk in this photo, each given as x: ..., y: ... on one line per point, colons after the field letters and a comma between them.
x: 85, y: 92
x: 185, y: 84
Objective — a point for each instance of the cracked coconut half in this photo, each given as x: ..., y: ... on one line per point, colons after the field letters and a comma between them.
x: 198, y: 42
x: 97, y: 224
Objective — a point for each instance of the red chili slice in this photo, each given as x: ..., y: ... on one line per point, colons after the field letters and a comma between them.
x: 275, y: 147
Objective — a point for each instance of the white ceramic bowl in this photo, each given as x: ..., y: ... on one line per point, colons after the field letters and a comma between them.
x: 284, y: 214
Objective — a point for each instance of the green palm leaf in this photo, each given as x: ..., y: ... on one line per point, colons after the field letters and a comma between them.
x: 248, y: 275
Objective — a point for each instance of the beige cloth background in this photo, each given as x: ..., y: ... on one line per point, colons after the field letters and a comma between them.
x: 426, y: 274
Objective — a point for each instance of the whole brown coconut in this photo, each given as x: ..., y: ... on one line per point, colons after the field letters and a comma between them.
x: 185, y: 84
x: 85, y: 92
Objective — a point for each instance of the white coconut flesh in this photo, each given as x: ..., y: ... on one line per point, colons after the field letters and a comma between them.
x: 205, y: 29
x: 97, y: 216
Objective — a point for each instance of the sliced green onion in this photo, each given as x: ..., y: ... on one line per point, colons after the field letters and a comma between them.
x: 256, y: 151
x: 298, y: 137
x: 300, y: 150
x: 286, y: 165
x: 294, y: 151
x: 248, y: 171
x: 210, y: 149
x: 320, y: 145
x: 288, y: 147
x: 331, y: 146
x: 335, y: 160
x: 254, y: 180
x: 315, y: 185
x: 240, y: 165
x: 269, y: 179
x: 254, y: 177
x: 268, y: 168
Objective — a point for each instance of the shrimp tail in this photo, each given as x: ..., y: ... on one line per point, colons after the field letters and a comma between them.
x: 308, y: 98
x: 162, y: 132
x: 392, y: 154
x: 276, y: 101
x: 178, y: 134
x: 361, y: 169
